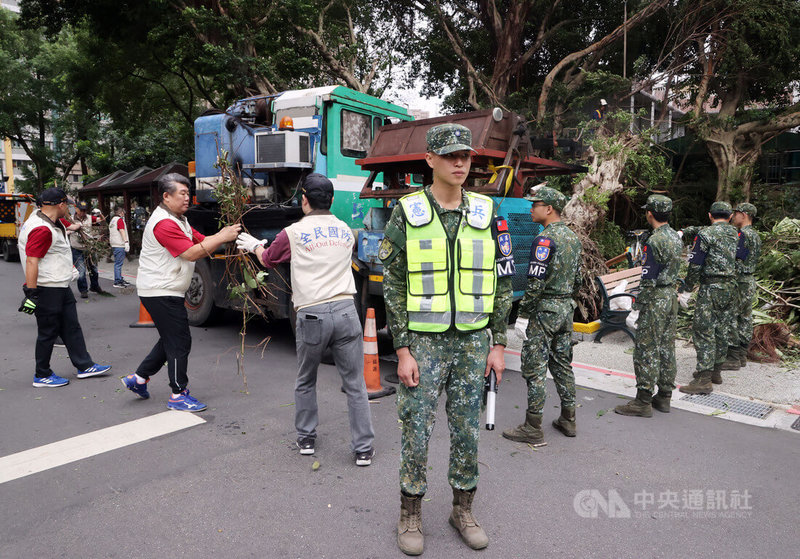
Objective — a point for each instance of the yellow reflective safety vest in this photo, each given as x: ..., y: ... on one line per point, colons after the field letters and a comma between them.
x: 450, y: 282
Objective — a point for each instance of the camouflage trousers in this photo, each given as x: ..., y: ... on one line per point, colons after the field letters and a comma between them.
x: 713, y: 321
x: 454, y: 362
x: 654, y: 352
x: 549, y: 345
x: 742, y: 331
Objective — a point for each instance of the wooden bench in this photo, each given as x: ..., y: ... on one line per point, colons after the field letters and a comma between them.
x: 612, y: 319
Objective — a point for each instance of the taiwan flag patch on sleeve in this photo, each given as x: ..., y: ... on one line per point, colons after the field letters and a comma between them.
x: 542, y: 252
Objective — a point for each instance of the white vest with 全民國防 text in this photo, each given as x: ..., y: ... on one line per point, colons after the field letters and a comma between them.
x: 161, y: 274
x: 55, y: 267
x: 322, y: 250
x: 449, y: 282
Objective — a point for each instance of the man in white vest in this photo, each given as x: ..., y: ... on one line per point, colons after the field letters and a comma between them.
x: 170, y: 247
x: 319, y: 248
x: 118, y: 239
x: 47, y: 264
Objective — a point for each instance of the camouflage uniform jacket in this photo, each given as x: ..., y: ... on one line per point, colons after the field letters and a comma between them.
x: 748, y: 251
x: 662, y: 262
x: 555, y: 267
x: 713, y: 255
x: 393, y: 258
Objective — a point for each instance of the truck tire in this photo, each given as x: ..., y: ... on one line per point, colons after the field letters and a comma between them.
x: 199, y: 299
x: 8, y: 251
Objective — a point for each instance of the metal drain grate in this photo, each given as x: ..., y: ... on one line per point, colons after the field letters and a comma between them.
x: 730, y: 404
x: 796, y: 424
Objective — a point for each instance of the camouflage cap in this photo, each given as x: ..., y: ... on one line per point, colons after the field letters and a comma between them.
x: 746, y: 208
x: 549, y: 196
x: 447, y: 138
x: 658, y: 203
x: 720, y: 207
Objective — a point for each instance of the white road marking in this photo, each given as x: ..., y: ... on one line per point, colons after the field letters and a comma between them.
x: 56, y: 454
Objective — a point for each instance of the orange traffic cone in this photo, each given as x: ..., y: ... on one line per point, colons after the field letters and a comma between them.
x: 145, y: 320
x: 372, y: 372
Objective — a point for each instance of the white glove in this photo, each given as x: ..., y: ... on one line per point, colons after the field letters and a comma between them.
x: 683, y: 299
x: 521, y: 327
x: 127, y: 246
x: 248, y: 243
x: 75, y: 274
x: 680, y: 233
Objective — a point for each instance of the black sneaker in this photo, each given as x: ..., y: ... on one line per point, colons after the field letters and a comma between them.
x: 84, y: 295
x: 365, y: 458
x: 306, y: 445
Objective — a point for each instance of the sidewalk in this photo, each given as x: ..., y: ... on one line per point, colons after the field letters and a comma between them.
x: 130, y: 269
x: 609, y: 366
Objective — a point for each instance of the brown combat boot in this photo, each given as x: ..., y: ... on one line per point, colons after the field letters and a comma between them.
x: 661, y: 401
x: 700, y: 385
x: 409, y: 530
x: 731, y: 362
x: 529, y: 432
x: 639, y: 406
x: 566, y: 421
x: 716, y: 374
x: 464, y: 521
x: 743, y: 354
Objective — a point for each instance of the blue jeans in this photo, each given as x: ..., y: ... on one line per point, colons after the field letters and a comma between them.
x: 80, y: 263
x: 119, y: 257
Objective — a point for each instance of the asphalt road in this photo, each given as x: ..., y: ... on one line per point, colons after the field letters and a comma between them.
x: 236, y: 486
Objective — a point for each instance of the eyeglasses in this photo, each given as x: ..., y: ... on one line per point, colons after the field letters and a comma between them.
x: 535, y: 204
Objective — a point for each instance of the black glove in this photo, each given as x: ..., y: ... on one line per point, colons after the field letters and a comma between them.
x: 29, y: 302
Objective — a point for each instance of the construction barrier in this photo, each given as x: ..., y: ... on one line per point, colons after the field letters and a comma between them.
x: 372, y: 372
x: 145, y: 320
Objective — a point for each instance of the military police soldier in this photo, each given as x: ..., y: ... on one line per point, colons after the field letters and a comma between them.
x: 747, y: 253
x: 554, y: 279
x: 657, y: 303
x: 712, y: 265
x: 447, y: 277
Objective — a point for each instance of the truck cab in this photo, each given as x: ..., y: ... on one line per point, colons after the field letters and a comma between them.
x: 272, y: 142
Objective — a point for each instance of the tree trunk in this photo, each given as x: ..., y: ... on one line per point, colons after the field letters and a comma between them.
x: 590, y: 196
x: 720, y: 147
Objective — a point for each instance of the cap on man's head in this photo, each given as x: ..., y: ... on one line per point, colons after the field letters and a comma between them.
x: 53, y: 197
x: 720, y: 208
x: 447, y: 138
x: 318, y: 187
x: 658, y: 203
x: 549, y: 196
x: 746, y: 208
x: 82, y: 205
x: 603, y: 102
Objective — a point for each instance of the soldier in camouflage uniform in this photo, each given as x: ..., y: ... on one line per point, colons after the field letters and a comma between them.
x: 657, y: 303
x: 711, y: 264
x: 554, y: 278
x: 436, y: 349
x: 747, y: 254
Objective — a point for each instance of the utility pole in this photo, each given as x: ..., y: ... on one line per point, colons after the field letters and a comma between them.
x: 9, y: 165
x: 625, y: 41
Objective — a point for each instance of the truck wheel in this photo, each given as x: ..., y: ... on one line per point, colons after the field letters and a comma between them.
x: 199, y: 300
x: 8, y: 251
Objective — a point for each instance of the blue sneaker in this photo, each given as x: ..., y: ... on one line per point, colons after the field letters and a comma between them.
x: 53, y: 381
x: 185, y: 402
x: 139, y: 389
x: 94, y: 371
